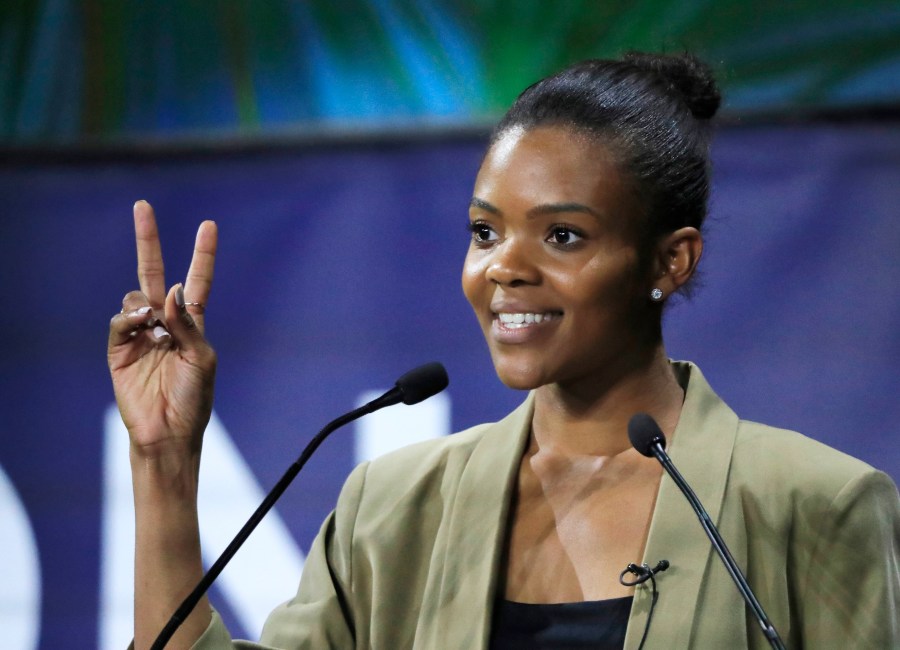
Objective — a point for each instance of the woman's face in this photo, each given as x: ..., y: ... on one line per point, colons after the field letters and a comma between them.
x: 553, y: 268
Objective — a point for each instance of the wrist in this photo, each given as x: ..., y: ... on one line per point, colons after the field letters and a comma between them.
x: 173, y: 472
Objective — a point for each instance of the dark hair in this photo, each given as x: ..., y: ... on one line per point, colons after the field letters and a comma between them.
x: 653, y: 111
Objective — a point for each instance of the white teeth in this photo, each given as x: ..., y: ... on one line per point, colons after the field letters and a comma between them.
x: 523, y: 319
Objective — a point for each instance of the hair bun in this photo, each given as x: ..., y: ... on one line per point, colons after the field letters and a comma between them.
x: 685, y: 75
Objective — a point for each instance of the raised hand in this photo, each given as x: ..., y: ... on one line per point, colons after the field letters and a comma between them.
x: 162, y: 367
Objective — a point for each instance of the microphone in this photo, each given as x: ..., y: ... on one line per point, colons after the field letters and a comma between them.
x: 646, y: 436
x: 413, y: 387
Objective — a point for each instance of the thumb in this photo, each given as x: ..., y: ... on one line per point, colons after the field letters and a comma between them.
x: 181, y: 324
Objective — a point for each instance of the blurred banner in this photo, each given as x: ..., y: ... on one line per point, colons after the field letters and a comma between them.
x: 339, y: 270
x: 98, y: 71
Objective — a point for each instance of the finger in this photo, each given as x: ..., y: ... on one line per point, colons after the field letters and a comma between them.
x: 126, y: 325
x: 133, y: 332
x: 137, y: 314
x: 134, y: 300
x: 149, y: 254
x: 183, y: 325
x: 198, y: 284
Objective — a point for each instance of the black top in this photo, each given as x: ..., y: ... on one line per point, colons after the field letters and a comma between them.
x: 597, y: 624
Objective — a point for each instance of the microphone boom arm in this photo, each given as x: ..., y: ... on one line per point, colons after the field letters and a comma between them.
x: 413, y: 387
x: 187, y: 606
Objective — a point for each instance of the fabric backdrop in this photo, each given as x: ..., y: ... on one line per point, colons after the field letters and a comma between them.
x: 339, y: 270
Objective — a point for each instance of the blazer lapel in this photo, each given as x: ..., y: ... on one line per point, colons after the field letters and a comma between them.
x: 460, y: 596
x: 701, y: 449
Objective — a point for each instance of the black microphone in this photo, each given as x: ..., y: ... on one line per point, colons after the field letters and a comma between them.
x: 649, y: 440
x: 415, y: 386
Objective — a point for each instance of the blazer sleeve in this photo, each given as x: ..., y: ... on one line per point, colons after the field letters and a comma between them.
x: 852, y: 586
x: 321, y: 615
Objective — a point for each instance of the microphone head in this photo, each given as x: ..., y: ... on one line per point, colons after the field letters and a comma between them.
x: 422, y: 382
x: 644, y: 433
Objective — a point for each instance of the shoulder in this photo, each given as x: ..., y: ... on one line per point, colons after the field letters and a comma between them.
x: 449, y: 455
x: 422, y: 462
x: 777, y: 466
x: 835, y: 522
x: 394, y: 511
x: 795, y: 458
x: 430, y: 454
x: 431, y: 471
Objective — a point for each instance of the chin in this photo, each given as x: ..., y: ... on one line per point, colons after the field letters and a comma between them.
x: 519, y: 376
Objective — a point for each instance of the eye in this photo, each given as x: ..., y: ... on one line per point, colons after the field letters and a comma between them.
x: 564, y: 236
x: 482, y: 233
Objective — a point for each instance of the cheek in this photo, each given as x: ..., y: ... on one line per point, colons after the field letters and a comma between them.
x: 607, y: 288
x: 472, y: 278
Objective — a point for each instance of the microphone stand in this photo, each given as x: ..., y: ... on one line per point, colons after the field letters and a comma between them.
x: 771, y: 634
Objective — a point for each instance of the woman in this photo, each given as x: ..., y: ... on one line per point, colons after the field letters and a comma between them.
x: 585, y: 220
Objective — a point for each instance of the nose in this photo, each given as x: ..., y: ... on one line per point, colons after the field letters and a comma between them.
x: 512, y: 263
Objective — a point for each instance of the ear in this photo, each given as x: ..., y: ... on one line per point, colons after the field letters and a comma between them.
x: 676, y: 258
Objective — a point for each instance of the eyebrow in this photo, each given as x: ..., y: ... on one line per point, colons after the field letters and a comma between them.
x: 538, y: 210
x: 481, y: 204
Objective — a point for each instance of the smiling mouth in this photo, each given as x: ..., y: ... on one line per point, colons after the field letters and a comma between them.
x: 516, y: 320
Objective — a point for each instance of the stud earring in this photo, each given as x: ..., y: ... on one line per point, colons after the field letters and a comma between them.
x: 656, y: 294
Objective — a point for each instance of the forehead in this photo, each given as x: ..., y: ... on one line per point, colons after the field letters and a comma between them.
x: 553, y: 164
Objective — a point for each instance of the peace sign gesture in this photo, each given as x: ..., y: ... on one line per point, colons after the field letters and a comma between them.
x: 162, y: 367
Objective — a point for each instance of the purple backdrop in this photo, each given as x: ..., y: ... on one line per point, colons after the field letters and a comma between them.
x: 339, y: 269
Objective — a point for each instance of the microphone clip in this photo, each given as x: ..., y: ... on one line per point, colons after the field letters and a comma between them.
x: 642, y: 573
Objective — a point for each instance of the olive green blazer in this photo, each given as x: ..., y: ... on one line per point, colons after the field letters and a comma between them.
x: 411, y: 556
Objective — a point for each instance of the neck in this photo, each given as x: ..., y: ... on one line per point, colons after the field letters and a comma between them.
x: 590, y: 416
